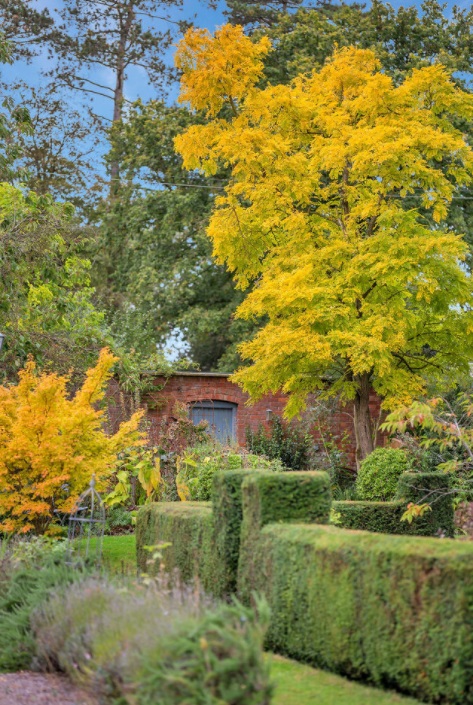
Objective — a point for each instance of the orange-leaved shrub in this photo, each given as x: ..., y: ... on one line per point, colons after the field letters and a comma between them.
x: 51, y: 445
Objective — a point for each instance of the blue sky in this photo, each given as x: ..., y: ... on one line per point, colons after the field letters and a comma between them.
x: 137, y: 86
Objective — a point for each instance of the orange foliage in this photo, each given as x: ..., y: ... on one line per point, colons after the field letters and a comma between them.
x: 51, y: 445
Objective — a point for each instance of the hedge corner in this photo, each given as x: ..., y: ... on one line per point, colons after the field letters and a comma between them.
x: 290, y: 497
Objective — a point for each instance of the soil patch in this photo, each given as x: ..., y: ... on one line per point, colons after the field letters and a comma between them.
x: 27, y: 688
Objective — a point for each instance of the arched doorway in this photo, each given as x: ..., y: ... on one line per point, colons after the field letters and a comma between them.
x: 220, y: 415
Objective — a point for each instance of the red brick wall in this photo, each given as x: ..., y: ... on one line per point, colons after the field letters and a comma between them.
x: 195, y: 387
x: 339, y: 422
x: 192, y: 388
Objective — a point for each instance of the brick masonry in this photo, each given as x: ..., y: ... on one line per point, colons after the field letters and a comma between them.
x: 201, y: 387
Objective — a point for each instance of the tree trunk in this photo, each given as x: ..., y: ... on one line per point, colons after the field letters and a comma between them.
x: 362, y: 419
x: 117, y: 114
x: 125, y: 29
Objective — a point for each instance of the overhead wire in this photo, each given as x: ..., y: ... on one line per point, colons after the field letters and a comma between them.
x: 221, y: 188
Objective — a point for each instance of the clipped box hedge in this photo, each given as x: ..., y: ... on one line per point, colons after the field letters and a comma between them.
x: 267, y: 498
x: 435, y: 489
x: 289, y: 497
x: 228, y: 514
x: 189, y: 529
x: 395, y: 611
x: 385, y: 517
x: 204, y: 539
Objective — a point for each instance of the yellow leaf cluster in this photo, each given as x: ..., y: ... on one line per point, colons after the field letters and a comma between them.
x: 353, y: 278
x: 51, y: 445
x: 218, y: 68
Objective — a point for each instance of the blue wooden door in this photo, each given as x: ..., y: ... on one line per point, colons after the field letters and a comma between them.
x: 220, y: 416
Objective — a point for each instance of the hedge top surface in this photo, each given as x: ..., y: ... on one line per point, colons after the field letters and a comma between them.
x: 416, y: 547
x: 365, y: 503
x: 177, y: 508
x: 413, y: 482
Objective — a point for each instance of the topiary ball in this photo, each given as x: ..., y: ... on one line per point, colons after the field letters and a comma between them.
x: 379, y: 474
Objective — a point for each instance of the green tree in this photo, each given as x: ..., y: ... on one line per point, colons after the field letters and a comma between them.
x: 161, y: 279
x: 257, y: 13
x: 27, y: 27
x: 15, y: 122
x: 58, y: 152
x: 403, y: 38
x: 46, y: 301
x: 115, y: 35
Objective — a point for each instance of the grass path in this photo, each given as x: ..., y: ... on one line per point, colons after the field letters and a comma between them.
x: 119, y: 554
x: 296, y: 684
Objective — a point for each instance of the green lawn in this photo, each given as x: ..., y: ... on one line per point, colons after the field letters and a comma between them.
x: 119, y: 553
x: 296, y: 684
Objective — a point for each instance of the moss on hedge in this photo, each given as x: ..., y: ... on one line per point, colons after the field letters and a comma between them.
x: 189, y: 529
x: 393, y: 610
x: 286, y: 497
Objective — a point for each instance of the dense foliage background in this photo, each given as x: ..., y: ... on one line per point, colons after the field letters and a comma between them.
x: 133, y: 266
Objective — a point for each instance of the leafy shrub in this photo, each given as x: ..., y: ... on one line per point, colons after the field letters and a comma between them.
x: 119, y: 520
x: 198, y: 466
x: 439, y: 435
x: 148, y: 646
x: 30, y: 570
x: 137, y: 478
x: 51, y: 445
x: 288, y: 442
x: 444, y: 424
x: 175, y: 434
x: 379, y: 474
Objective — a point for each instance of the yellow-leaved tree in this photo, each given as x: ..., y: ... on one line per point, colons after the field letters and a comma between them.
x: 339, y: 185
x: 51, y: 445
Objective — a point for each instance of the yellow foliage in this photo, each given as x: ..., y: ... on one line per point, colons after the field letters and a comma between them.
x: 354, y: 283
x: 183, y: 491
x: 218, y: 68
x: 51, y: 445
